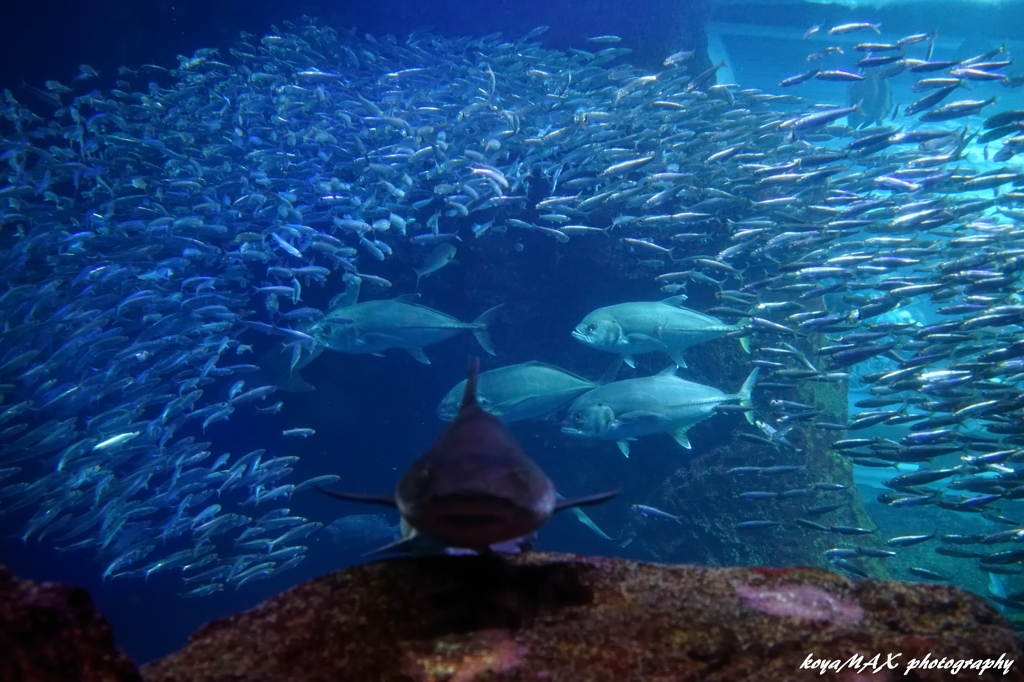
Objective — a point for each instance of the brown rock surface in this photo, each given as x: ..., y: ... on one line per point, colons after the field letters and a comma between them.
x: 52, y: 633
x: 560, y: 617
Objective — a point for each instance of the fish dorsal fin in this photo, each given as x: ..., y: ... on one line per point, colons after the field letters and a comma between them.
x: 675, y: 301
x: 469, y: 393
x: 407, y: 298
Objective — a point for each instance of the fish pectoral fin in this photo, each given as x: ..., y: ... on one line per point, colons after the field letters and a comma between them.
x: 639, y: 417
x: 377, y: 337
x: 409, y: 544
x: 506, y: 405
x: 677, y: 357
x: 623, y: 447
x: 419, y: 355
x: 680, y: 437
x: 385, y: 500
x: 745, y: 344
x: 586, y: 500
x: 676, y: 301
x: 628, y: 359
x: 635, y: 339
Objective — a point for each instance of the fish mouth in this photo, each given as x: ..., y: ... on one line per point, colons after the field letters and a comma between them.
x: 572, y: 431
x: 474, y: 521
x: 579, y: 336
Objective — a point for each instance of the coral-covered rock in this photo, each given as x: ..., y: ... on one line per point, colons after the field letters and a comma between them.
x: 560, y: 617
x: 52, y: 633
x: 706, y: 490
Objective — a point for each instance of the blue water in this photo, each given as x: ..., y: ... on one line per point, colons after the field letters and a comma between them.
x: 373, y: 415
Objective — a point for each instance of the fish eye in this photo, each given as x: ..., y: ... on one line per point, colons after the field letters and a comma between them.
x: 591, y: 327
x: 577, y: 416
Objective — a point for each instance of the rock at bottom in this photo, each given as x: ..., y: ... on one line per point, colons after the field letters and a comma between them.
x: 53, y: 633
x: 560, y: 617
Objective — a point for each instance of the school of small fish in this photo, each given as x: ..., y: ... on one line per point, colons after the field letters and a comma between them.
x: 150, y: 232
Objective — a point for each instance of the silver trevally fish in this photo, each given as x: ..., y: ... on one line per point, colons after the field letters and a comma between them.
x: 442, y: 255
x: 664, y: 403
x: 630, y: 329
x: 377, y: 326
x: 281, y: 364
x: 361, y: 530
x: 524, y: 391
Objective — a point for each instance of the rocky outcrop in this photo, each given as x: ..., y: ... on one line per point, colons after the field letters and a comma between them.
x: 53, y: 633
x: 560, y: 617
x: 798, y: 483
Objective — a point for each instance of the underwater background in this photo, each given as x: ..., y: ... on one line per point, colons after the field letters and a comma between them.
x: 160, y: 194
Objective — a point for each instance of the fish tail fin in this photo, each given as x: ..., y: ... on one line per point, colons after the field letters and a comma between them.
x: 480, y: 330
x: 745, y: 393
x: 745, y: 340
x: 294, y: 383
x: 877, y: 28
x: 419, y: 276
x: 610, y: 373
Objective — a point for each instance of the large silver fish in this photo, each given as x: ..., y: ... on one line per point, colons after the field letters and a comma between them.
x: 525, y: 391
x: 442, y: 255
x: 630, y: 329
x: 664, y: 403
x: 873, y: 96
x: 376, y: 326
